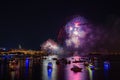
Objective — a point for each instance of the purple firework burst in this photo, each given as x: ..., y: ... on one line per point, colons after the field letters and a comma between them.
x: 77, y: 30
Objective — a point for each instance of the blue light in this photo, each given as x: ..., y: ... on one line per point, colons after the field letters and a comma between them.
x: 49, y: 73
x: 27, y: 62
x: 50, y: 64
x: 49, y: 70
x: 106, y: 69
x: 106, y: 65
x: 49, y: 67
x: 4, y: 56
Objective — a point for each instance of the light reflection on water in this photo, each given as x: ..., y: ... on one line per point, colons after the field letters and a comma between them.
x: 39, y: 71
x: 27, y: 62
x: 106, y: 70
x: 91, y: 72
x: 70, y: 75
x: 15, y: 75
x: 47, y: 74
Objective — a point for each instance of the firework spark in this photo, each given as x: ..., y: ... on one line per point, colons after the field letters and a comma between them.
x: 76, y: 31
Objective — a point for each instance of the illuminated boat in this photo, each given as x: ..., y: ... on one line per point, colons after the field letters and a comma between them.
x: 76, y: 69
x: 77, y: 61
x: 49, y: 67
x: 54, y: 58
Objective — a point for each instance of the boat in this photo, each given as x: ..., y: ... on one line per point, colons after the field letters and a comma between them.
x: 54, y: 58
x: 76, y: 69
x: 77, y: 61
x: 49, y: 67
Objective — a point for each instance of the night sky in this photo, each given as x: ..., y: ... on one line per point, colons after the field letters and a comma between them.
x: 30, y: 23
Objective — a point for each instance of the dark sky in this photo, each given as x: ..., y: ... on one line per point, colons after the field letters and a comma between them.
x: 30, y: 23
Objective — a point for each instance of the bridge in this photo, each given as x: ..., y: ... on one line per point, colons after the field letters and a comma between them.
x: 22, y: 51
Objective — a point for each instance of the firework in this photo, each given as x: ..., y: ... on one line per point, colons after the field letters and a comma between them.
x: 51, y: 46
x: 76, y: 31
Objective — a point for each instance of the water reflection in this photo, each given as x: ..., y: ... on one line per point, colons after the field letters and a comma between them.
x: 106, y: 65
x: 49, y: 70
x: 12, y: 75
x: 49, y: 74
x: 106, y: 69
x: 70, y: 75
x: 91, y: 72
x: 15, y: 75
x: 27, y: 61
